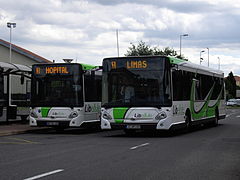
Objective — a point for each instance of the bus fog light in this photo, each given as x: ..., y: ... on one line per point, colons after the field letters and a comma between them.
x: 73, y: 114
x: 107, y: 116
x: 161, y: 115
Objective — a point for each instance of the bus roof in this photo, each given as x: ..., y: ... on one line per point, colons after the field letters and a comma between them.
x: 190, y: 65
x: 88, y: 67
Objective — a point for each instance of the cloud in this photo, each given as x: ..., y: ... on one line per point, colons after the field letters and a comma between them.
x: 59, y: 29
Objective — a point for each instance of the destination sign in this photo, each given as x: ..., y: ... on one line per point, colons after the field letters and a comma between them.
x: 141, y: 64
x: 135, y: 63
x: 58, y: 69
x: 52, y: 70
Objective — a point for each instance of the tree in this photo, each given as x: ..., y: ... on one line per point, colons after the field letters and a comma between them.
x: 230, y: 84
x: 142, y: 49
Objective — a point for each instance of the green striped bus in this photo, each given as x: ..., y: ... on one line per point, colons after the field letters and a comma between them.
x: 65, y: 95
x: 159, y: 92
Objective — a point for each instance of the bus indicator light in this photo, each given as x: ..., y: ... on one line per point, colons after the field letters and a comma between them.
x: 37, y: 70
x: 114, y: 65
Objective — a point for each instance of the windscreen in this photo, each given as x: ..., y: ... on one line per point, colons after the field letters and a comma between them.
x: 136, y: 82
x: 57, y: 85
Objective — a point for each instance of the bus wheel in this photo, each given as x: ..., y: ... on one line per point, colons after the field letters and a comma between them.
x: 216, y: 118
x: 188, y: 121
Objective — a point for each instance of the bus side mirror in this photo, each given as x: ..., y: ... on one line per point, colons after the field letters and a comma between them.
x: 22, y: 79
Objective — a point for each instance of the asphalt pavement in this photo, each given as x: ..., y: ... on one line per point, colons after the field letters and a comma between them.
x: 204, y: 153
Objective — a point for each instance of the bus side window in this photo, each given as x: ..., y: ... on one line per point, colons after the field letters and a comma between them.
x: 177, y: 85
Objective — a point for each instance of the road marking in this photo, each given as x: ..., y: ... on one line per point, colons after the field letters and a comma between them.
x: 238, y: 116
x: 11, y: 143
x: 23, y: 140
x: 17, y: 141
x: 45, y: 174
x: 141, y: 145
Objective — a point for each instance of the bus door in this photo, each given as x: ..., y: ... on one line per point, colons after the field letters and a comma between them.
x: 93, y: 92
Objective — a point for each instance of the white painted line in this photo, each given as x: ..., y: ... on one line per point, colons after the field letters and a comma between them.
x: 141, y: 145
x: 238, y: 116
x: 45, y: 174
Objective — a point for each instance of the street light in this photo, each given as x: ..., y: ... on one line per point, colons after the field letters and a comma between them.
x: 218, y: 63
x: 208, y: 56
x: 181, y: 43
x: 10, y: 25
x: 117, y: 42
x: 201, y: 59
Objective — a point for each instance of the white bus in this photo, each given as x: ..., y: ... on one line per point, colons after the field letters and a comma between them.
x: 65, y: 95
x: 159, y: 92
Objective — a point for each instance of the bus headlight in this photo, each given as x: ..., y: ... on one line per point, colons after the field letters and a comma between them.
x: 73, y: 114
x: 107, y: 116
x: 33, y: 114
x: 161, y: 115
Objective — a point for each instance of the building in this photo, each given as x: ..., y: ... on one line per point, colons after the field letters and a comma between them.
x: 20, y: 88
x: 19, y: 55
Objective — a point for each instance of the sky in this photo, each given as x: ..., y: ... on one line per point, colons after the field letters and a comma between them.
x: 86, y: 30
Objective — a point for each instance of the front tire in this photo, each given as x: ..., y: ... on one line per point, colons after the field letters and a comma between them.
x: 216, y: 118
x: 188, y: 121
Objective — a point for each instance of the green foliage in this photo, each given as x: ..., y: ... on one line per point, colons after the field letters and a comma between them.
x: 142, y: 49
x: 230, y: 84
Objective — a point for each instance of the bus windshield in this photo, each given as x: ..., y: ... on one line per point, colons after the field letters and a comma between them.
x: 131, y: 84
x: 58, y: 90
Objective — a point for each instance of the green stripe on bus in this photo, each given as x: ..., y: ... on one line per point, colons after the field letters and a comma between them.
x: 174, y: 60
x: 118, y: 114
x: 45, y: 111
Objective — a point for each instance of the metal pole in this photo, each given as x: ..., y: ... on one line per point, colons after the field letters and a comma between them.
x: 10, y: 60
x: 10, y: 53
x: 201, y: 56
x: 117, y: 42
x: 218, y: 63
x: 10, y: 25
x: 208, y: 56
x: 180, y: 45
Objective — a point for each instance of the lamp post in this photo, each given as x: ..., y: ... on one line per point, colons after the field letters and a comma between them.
x: 218, y: 63
x: 208, y: 57
x: 181, y: 43
x: 10, y: 25
x: 201, y: 59
x: 117, y: 42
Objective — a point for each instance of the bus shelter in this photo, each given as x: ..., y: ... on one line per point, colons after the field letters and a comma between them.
x: 14, y: 77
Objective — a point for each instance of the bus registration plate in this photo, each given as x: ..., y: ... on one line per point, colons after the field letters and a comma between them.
x: 52, y: 123
x: 133, y: 126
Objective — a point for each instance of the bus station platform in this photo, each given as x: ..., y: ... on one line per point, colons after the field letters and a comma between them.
x: 17, y: 128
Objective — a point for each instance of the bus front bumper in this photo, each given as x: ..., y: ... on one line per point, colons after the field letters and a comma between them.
x: 160, y: 125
